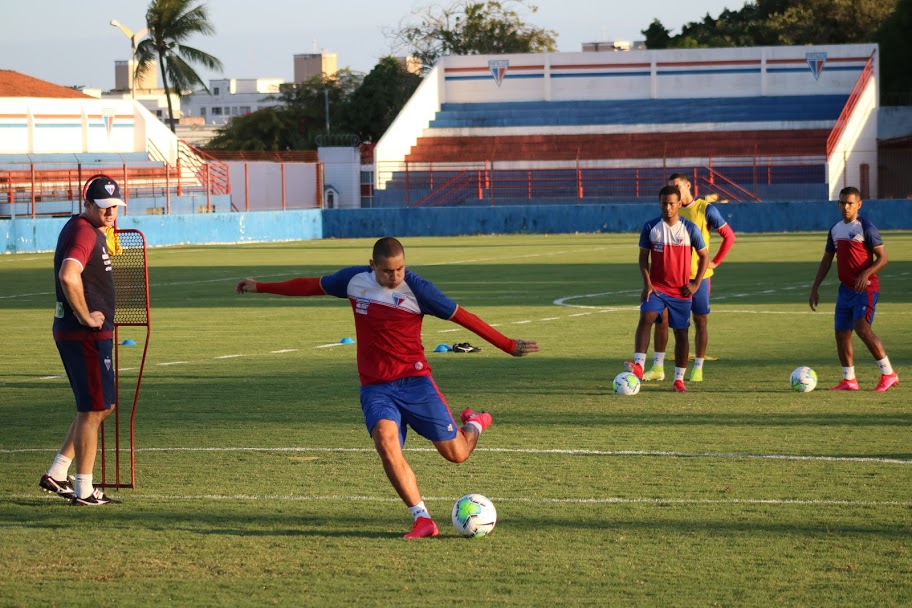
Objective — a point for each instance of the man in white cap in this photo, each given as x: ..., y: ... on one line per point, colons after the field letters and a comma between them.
x: 84, y: 334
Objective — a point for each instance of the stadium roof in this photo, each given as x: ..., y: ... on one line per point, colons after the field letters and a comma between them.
x: 14, y: 84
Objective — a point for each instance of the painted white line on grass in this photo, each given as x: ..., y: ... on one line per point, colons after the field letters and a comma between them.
x: 448, y: 331
x: 608, y: 500
x: 330, y: 345
x: 566, y: 452
x: 50, y: 377
x: 550, y: 319
x: 173, y: 363
x: 227, y: 356
x: 521, y: 322
x: 580, y: 314
x: 284, y: 350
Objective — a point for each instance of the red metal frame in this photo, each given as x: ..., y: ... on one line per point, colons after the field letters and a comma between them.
x: 117, y: 483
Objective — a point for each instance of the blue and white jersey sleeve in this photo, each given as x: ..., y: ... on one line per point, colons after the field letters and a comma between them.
x: 645, y: 242
x: 871, y: 234
x: 696, y: 235
x: 336, y: 284
x: 431, y: 301
x: 714, y: 219
x: 831, y: 242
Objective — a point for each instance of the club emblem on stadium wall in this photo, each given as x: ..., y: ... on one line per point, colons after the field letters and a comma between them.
x: 815, y: 61
x: 107, y: 114
x: 498, y: 69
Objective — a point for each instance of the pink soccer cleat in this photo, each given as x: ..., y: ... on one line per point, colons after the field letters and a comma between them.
x: 679, y: 386
x: 886, y: 381
x: 634, y: 368
x: 847, y: 385
x: 423, y: 528
x: 483, y: 418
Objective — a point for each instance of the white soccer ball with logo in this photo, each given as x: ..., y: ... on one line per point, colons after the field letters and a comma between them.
x: 626, y: 383
x: 804, y: 379
x: 474, y: 515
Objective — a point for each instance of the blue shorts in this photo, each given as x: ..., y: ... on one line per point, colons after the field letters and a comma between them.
x: 414, y: 401
x: 852, y: 306
x: 90, y: 368
x: 700, y: 305
x: 678, y: 309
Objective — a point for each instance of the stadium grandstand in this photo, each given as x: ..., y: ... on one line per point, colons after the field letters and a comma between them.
x: 749, y: 124
x: 54, y: 138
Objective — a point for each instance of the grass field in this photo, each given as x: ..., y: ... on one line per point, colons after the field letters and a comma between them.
x: 258, y: 484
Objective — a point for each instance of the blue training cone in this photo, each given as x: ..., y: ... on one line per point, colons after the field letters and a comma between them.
x: 442, y: 348
x: 346, y: 341
x: 128, y: 342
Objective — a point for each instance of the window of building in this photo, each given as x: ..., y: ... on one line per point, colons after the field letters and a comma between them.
x: 245, y: 110
x: 216, y: 111
x: 215, y: 90
x: 203, y: 111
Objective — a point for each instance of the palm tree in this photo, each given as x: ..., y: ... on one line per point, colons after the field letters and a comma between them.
x: 170, y: 23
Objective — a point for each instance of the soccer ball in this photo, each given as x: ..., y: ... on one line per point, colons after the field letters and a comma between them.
x: 804, y: 379
x: 474, y: 515
x: 626, y: 383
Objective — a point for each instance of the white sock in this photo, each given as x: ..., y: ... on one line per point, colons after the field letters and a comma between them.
x: 848, y: 373
x: 59, y: 468
x: 885, y: 368
x: 639, y: 358
x: 475, y: 424
x: 658, y: 359
x: 419, y: 510
x: 698, y: 363
x: 83, y: 485
x: 679, y: 373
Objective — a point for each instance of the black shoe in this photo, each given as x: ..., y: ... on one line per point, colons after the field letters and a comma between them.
x: 95, y: 499
x: 465, y: 347
x: 64, y: 488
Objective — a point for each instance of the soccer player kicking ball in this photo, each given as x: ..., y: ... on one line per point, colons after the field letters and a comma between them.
x: 389, y: 303
x: 860, y: 255
x: 668, y: 240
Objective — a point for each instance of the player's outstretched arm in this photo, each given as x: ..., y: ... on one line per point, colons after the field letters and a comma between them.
x: 294, y: 287
x: 517, y: 348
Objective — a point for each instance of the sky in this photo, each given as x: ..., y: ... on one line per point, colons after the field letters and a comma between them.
x: 73, y: 44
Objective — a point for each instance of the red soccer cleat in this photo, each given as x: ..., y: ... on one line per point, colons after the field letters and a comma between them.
x: 634, y: 368
x: 847, y: 385
x: 679, y: 386
x: 886, y: 381
x: 422, y: 528
x: 483, y: 418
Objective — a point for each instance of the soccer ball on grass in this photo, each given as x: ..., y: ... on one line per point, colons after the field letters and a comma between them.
x: 626, y: 383
x: 804, y: 379
x: 474, y: 515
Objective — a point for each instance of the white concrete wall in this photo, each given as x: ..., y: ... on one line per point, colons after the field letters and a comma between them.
x: 342, y: 171
x: 856, y: 146
x: 660, y: 74
x: 409, y: 124
x: 265, y: 185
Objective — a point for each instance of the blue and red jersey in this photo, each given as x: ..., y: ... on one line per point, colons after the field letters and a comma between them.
x: 388, y: 321
x: 671, y: 249
x: 85, y: 244
x: 854, y: 243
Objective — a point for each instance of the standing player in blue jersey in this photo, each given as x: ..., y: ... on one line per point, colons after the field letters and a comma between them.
x: 666, y: 244
x: 860, y: 255
x: 84, y: 334
x: 397, y: 390
x: 708, y: 219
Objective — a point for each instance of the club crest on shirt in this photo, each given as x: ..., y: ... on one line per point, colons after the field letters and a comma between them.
x: 398, y: 299
x: 107, y: 363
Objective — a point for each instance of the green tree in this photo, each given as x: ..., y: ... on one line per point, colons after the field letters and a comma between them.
x: 469, y: 27
x: 373, y: 106
x: 171, y: 23
x: 896, y: 55
x: 307, y: 103
x: 265, y: 129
